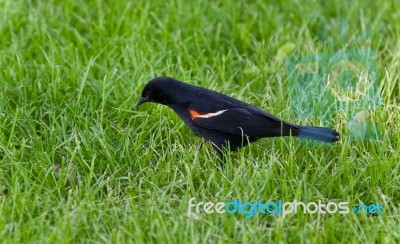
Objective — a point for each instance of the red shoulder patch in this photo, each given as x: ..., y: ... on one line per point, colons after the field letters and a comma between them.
x: 194, y: 113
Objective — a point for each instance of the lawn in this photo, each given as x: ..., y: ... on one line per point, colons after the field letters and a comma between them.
x: 80, y: 164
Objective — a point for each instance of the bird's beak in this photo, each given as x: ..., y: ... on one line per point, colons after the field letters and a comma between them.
x: 141, y: 101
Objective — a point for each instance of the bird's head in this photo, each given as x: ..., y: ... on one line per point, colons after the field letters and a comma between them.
x: 160, y: 90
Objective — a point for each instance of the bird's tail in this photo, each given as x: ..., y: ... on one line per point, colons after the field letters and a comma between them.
x: 319, y: 134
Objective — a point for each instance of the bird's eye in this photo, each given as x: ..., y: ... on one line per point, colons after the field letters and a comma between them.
x: 147, y: 94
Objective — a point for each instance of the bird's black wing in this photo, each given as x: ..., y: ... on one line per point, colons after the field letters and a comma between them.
x: 239, y: 121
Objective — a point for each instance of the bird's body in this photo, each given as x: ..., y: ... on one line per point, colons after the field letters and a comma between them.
x: 223, y: 120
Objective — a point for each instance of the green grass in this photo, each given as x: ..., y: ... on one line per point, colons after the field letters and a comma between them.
x: 79, y: 163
